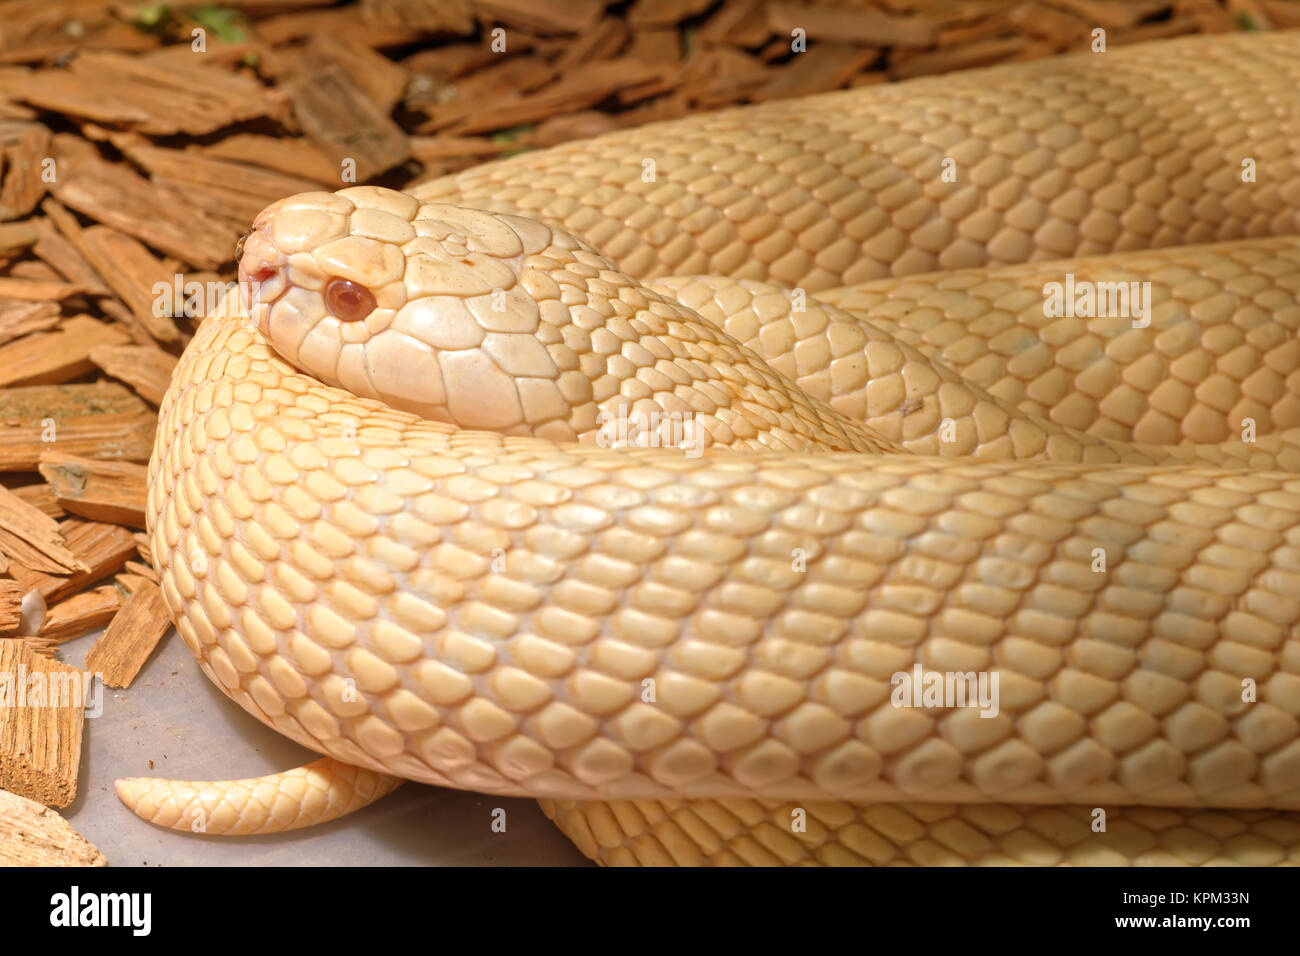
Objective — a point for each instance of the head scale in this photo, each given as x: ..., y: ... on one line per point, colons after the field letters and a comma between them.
x: 417, y: 304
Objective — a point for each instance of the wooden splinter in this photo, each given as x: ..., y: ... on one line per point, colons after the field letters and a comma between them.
x: 41, y: 711
x: 34, y: 835
x: 131, y: 636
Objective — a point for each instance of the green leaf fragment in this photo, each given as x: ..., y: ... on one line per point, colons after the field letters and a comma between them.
x: 224, y: 23
x: 513, y: 133
x: 151, y: 16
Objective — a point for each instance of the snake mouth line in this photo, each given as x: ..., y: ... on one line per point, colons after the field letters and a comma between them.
x: 257, y: 303
x: 263, y: 273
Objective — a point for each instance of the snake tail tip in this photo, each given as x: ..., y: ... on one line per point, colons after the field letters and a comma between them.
x: 319, y: 792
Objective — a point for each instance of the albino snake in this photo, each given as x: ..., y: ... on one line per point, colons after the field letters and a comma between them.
x: 391, y: 532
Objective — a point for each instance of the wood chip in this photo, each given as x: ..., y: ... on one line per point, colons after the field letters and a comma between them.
x: 1282, y: 14
x: 130, y: 583
x: 56, y: 356
x: 656, y: 46
x: 848, y: 25
x: 973, y: 32
x: 19, y: 318
x: 38, y: 30
x: 958, y: 58
x: 41, y: 647
x: 102, y: 420
x: 130, y: 637
x: 379, y: 78
x: 601, y: 42
x: 721, y: 75
x: 112, y: 491
x: 36, y: 271
x: 32, y: 538
x: 738, y: 23
x: 542, y: 16
x: 1040, y: 20
x: 24, y: 181
x: 11, y: 607
x: 450, y: 61
x: 154, y: 97
x: 113, y: 195
x: 283, y: 154
x: 41, y: 711
x: 233, y: 207
x: 142, y: 570
x: 338, y: 117
x: 126, y: 318
x: 826, y: 66
x: 663, y: 108
x: 561, y: 129
x: 1112, y: 14
x: 17, y: 236
x: 55, y: 250
x: 146, y: 369
x: 1163, y: 30
x: 661, y: 13
x: 376, y: 31
x: 581, y: 88
x: 37, y: 290
x: 262, y: 185
x: 81, y: 614
x: 1212, y: 18
x: 445, y: 16
x: 104, y: 548
x: 144, y: 546
x: 504, y: 80
x: 945, y: 13
x: 34, y: 835
x: 432, y: 148
x: 41, y: 497
x: 134, y: 274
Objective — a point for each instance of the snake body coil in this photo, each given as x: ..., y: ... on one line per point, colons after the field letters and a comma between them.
x: 396, y: 519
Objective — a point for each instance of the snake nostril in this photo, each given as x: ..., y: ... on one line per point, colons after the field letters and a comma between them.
x: 348, y: 301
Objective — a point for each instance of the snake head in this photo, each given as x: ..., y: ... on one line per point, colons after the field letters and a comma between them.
x: 370, y: 290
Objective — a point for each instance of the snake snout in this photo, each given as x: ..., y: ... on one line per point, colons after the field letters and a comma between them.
x: 262, y: 278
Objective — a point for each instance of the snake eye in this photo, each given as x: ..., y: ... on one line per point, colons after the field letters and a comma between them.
x: 348, y: 301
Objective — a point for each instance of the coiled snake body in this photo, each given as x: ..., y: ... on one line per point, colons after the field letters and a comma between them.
x: 398, y: 514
